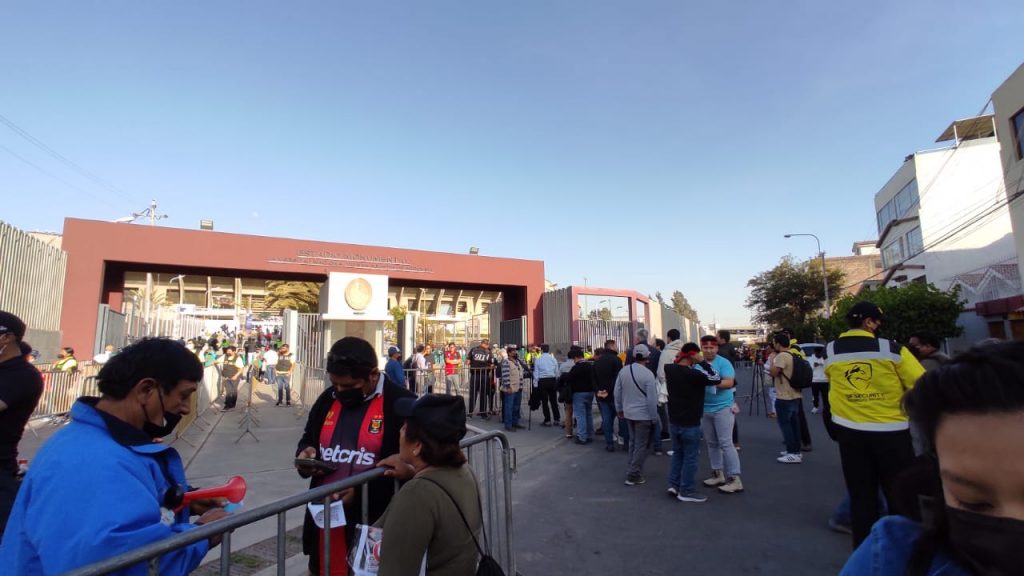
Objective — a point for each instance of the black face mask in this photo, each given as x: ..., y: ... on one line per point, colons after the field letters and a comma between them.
x: 988, y: 545
x: 155, y: 431
x: 349, y: 397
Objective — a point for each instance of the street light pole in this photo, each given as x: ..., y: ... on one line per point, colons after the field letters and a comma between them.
x: 824, y: 274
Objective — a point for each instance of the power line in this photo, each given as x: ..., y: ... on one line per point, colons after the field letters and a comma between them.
x: 62, y: 159
x: 54, y: 176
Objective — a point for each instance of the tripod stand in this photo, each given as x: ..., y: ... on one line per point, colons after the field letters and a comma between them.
x: 758, y: 394
x: 248, y: 419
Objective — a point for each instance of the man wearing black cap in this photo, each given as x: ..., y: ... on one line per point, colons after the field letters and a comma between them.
x: 393, y: 369
x: 351, y: 427
x: 21, y: 385
x: 867, y: 379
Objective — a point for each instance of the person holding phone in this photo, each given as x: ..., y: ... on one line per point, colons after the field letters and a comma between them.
x: 351, y: 427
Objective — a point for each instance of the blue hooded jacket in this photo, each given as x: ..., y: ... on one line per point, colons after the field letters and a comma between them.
x: 94, y: 490
x: 886, y: 551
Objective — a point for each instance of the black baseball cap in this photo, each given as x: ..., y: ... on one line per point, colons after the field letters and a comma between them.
x: 863, y: 310
x: 11, y: 324
x: 440, y: 416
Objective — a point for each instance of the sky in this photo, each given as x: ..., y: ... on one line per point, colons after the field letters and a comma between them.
x: 648, y: 145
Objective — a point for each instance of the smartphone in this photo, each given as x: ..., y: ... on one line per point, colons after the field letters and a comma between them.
x: 314, y: 463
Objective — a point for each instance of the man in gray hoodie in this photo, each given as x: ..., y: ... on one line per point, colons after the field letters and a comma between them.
x: 636, y: 400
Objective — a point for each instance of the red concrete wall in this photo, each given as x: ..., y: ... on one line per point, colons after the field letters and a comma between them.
x: 99, y: 253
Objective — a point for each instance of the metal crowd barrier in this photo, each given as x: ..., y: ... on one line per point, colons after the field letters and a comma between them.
x: 61, y: 389
x: 493, y: 468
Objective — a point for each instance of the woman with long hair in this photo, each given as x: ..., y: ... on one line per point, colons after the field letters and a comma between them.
x: 964, y: 499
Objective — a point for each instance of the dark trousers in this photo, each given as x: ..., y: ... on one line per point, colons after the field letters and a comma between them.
x: 548, y: 397
x: 8, y: 492
x: 479, y: 386
x: 817, y: 389
x: 230, y: 392
x: 871, y: 460
x: 805, y: 432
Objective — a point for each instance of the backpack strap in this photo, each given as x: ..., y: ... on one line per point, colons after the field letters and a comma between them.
x: 635, y: 383
x: 463, y: 516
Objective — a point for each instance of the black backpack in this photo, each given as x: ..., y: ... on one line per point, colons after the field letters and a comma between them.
x: 803, y: 374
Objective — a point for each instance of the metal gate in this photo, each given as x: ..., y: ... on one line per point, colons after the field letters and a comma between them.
x: 593, y: 333
x: 309, y: 347
x: 111, y: 328
x: 513, y: 332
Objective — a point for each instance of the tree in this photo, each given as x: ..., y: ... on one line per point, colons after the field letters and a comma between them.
x: 915, y: 307
x: 790, y: 295
x: 300, y: 296
x: 682, y: 306
x: 601, y: 314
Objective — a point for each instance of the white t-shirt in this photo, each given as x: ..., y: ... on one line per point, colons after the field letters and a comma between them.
x: 270, y: 358
x: 818, y: 364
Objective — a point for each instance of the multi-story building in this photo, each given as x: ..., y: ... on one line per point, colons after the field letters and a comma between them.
x: 942, y: 213
x: 859, y: 270
x: 1001, y: 301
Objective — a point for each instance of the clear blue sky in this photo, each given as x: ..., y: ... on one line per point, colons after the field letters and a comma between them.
x: 645, y: 145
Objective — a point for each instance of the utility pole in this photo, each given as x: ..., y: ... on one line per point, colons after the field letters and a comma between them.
x: 150, y: 213
x: 824, y: 273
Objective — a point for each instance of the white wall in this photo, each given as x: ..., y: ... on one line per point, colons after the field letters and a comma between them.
x: 1007, y: 100
x: 954, y: 186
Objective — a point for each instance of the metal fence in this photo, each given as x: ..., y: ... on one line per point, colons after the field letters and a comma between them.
x: 491, y: 458
x: 32, y: 285
x: 61, y: 389
x: 592, y: 334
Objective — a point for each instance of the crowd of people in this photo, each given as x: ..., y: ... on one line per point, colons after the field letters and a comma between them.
x: 931, y: 458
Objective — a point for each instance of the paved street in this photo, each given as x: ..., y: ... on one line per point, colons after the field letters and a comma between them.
x: 572, y: 512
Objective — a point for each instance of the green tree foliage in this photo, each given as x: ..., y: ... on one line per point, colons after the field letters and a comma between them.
x: 300, y: 296
x: 916, y: 307
x: 681, y: 305
x: 790, y: 295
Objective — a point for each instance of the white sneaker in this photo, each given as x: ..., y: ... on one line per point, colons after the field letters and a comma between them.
x: 790, y: 459
x: 670, y: 452
x: 815, y: 410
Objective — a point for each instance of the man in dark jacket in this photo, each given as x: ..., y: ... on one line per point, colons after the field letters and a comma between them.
x: 606, y: 368
x: 21, y: 385
x: 581, y: 384
x: 686, y: 388
x: 352, y: 426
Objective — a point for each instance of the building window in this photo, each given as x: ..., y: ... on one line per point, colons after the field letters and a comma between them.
x: 463, y: 307
x: 914, y: 243
x: 900, y: 204
x: 892, y: 253
x: 1017, y: 121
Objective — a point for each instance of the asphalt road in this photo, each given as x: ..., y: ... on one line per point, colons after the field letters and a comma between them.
x: 574, y: 515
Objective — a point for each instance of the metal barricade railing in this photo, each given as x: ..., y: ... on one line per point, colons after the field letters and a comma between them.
x: 61, y: 389
x: 308, y: 383
x: 493, y: 469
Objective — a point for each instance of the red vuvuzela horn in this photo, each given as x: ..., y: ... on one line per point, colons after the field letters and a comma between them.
x: 233, y: 490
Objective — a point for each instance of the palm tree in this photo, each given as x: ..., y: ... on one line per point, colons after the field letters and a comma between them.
x: 300, y: 296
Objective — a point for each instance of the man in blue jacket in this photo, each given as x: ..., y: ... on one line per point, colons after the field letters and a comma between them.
x: 101, y: 486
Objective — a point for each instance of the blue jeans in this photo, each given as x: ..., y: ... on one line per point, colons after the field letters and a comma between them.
x: 583, y: 413
x: 608, y: 417
x: 510, y: 409
x: 685, y: 455
x: 788, y: 412
x: 657, y: 436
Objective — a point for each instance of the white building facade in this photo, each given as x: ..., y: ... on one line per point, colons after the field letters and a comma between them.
x: 941, y: 214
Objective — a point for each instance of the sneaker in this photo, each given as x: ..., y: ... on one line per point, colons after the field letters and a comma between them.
x: 659, y: 453
x: 717, y: 479
x: 837, y: 527
x: 634, y: 480
x: 733, y: 486
x: 546, y: 423
x: 790, y: 459
x: 672, y: 492
x: 815, y: 410
x: 692, y: 497
x: 671, y: 452
x: 737, y: 447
